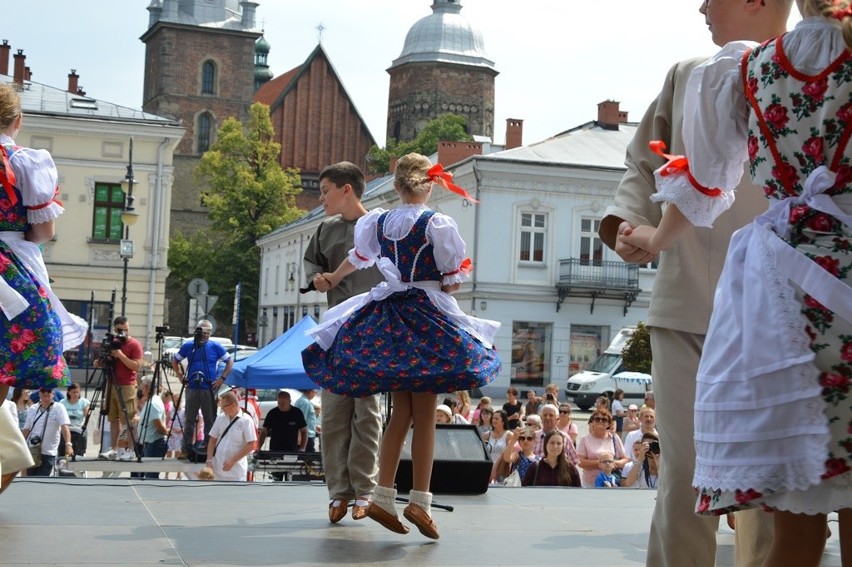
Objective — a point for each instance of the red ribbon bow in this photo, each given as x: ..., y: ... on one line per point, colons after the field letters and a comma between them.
x: 679, y: 164
x: 466, y: 267
x: 7, y: 177
x: 445, y: 179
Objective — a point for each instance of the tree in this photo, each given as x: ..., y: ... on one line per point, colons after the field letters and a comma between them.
x: 449, y: 127
x: 637, y: 350
x: 249, y: 196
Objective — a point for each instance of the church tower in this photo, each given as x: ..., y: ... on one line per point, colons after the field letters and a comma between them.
x: 200, y: 69
x: 443, y: 69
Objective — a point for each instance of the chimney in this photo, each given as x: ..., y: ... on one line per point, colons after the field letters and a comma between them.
x: 5, y: 49
x: 80, y: 91
x: 609, y: 116
x: 72, y: 81
x: 28, y: 74
x: 514, y: 133
x: 392, y: 164
x: 453, y: 152
x: 248, y: 18
x: 20, y: 58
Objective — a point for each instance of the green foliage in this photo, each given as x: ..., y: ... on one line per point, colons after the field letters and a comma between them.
x: 449, y: 127
x: 249, y: 196
x: 637, y: 350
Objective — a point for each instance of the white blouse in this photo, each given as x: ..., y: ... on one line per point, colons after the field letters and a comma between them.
x: 37, y: 180
x: 442, y: 232
x: 715, y: 124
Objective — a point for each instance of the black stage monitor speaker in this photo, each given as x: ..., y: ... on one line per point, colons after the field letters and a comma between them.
x: 461, y: 463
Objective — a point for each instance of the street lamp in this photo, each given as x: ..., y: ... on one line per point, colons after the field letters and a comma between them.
x: 128, y: 219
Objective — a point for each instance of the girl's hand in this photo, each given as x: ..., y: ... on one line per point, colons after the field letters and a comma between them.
x: 641, y: 237
x: 329, y: 277
x: 629, y: 252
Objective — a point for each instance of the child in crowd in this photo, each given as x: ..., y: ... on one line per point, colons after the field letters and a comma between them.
x: 781, y: 329
x: 408, y: 335
x: 605, y: 478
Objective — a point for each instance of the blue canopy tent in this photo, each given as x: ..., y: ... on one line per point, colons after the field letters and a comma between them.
x: 278, y: 364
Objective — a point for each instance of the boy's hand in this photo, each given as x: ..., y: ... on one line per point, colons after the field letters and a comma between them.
x: 630, y: 252
x: 322, y: 283
x: 642, y: 238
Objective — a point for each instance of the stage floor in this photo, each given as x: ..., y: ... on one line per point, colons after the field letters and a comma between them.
x: 67, y: 521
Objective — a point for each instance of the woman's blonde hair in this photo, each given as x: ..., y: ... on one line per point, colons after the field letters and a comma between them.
x: 841, y: 10
x: 411, y: 174
x: 10, y: 105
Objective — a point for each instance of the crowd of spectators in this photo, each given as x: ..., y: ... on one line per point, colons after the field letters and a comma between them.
x: 620, y: 450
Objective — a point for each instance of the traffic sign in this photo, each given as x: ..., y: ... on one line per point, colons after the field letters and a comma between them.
x: 197, y: 286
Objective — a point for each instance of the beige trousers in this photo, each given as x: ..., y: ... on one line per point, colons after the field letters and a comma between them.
x: 351, y: 433
x: 679, y: 537
x: 14, y: 454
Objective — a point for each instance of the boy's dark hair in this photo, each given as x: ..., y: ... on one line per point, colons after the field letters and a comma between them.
x: 120, y: 320
x: 345, y: 172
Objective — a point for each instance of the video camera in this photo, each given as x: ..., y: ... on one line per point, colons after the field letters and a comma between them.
x: 115, y: 340
x: 198, y: 335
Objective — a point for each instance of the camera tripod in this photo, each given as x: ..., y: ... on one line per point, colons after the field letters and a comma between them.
x: 106, y: 381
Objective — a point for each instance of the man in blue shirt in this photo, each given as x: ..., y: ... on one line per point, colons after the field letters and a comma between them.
x: 201, y: 380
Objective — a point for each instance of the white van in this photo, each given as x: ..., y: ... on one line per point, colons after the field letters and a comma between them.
x: 587, y: 386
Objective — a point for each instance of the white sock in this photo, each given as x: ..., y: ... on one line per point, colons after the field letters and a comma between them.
x: 422, y: 499
x: 385, y: 498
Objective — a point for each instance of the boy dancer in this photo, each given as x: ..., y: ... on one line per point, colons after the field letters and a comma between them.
x: 351, y: 427
x: 682, y: 299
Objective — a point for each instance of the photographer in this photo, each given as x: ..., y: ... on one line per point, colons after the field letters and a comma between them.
x: 202, y: 384
x: 642, y: 471
x: 126, y: 357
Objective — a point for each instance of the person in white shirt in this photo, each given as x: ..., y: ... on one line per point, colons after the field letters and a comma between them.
x: 232, y: 438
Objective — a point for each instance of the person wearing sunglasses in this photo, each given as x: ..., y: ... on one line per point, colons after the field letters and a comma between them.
x: 519, y: 453
x: 565, y: 424
x: 599, y: 440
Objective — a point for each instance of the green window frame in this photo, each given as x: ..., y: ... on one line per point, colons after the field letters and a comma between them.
x: 109, y: 202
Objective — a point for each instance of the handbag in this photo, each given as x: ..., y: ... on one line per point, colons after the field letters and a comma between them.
x: 35, y: 451
x: 514, y: 479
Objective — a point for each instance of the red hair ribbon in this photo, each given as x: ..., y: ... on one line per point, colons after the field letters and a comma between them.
x: 445, y: 179
x: 466, y: 268
x: 678, y: 164
x: 7, y: 177
x: 842, y: 13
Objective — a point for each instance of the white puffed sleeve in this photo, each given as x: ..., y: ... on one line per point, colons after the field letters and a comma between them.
x: 448, y: 248
x: 366, y: 250
x: 36, y: 179
x: 715, y: 137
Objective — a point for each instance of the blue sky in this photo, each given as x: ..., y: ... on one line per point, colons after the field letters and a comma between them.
x: 557, y: 58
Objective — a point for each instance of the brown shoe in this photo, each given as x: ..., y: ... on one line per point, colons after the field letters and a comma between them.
x: 384, y: 517
x: 359, y: 509
x: 418, y: 516
x: 336, y: 513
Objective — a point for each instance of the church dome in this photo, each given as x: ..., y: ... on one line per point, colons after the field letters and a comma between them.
x: 261, y: 45
x: 444, y: 36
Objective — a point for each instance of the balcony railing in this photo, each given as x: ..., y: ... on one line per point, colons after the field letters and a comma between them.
x: 580, y: 277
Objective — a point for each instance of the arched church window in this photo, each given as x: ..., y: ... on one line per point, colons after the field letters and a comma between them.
x: 208, y: 77
x: 205, y: 124
x: 397, y: 129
